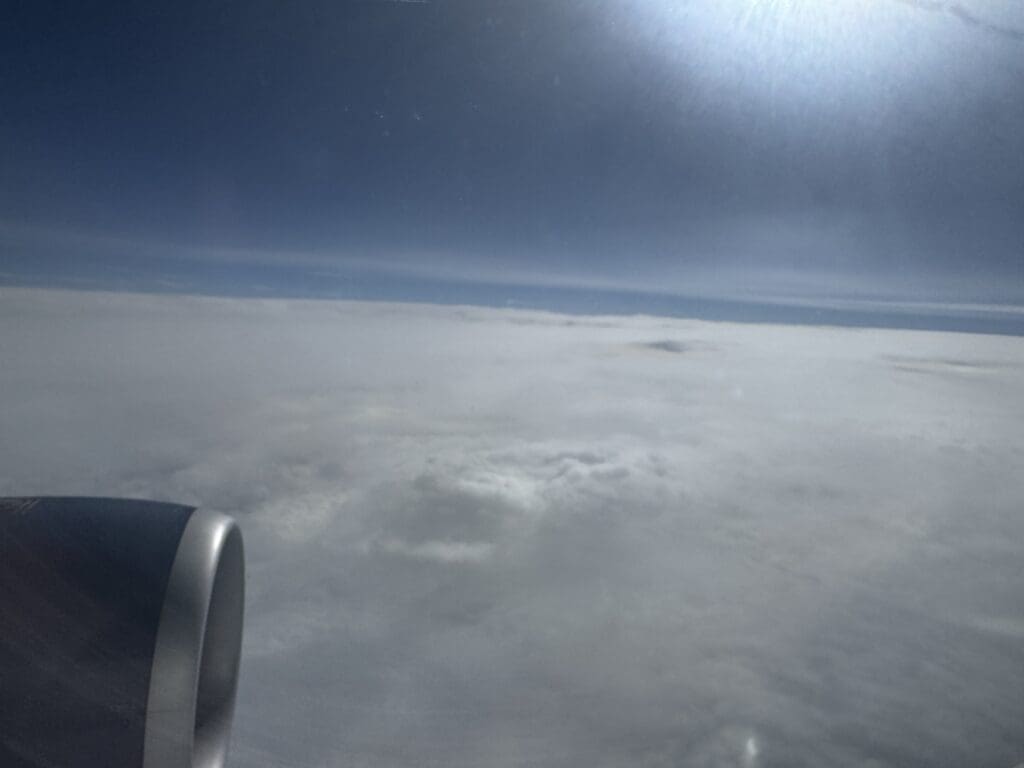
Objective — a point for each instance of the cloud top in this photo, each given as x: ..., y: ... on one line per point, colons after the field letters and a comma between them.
x: 483, y: 537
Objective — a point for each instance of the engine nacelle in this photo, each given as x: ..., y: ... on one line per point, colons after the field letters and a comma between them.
x: 120, y: 633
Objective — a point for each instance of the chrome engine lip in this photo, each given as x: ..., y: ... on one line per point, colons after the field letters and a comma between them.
x: 198, y: 648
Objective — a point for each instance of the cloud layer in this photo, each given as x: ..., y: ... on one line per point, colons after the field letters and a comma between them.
x: 483, y: 537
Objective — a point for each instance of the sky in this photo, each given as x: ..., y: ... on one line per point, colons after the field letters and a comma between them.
x: 479, y: 151
x: 492, y: 537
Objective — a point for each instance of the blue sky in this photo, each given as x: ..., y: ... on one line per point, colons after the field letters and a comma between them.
x: 489, y: 151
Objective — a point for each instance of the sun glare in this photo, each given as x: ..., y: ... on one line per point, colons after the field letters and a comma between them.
x: 830, y: 56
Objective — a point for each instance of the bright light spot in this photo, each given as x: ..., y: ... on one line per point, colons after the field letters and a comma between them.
x: 801, y: 55
x: 750, y: 751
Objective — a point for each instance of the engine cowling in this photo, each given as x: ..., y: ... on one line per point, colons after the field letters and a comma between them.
x: 120, y: 633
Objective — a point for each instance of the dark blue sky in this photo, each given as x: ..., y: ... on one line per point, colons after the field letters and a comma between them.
x: 850, y: 149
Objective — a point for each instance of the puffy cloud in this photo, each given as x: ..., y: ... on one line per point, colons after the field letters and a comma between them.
x: 483, y: 537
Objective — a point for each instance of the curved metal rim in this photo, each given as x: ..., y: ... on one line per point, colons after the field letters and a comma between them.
x: 197, y: 649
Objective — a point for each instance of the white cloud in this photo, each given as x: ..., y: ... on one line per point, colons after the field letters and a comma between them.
x: 483, y: 537
x: 440, y: 551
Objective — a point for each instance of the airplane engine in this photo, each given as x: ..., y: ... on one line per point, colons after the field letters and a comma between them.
x: 120, y: 633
